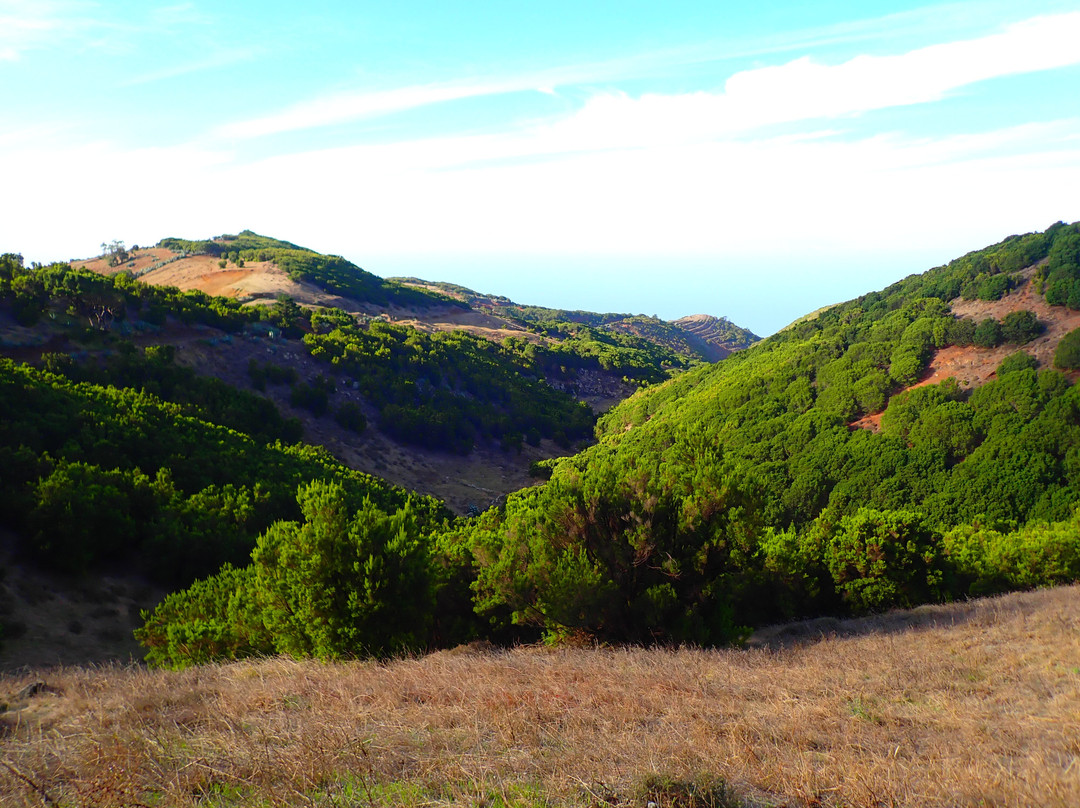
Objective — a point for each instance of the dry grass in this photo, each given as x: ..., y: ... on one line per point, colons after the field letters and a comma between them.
x: 975, y: 704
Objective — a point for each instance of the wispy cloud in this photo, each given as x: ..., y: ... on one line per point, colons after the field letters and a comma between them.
x: 800, y: 90
x: 26, y: 25
x: 807, y: 90
x: 339, y: 108
x: 212, y: 62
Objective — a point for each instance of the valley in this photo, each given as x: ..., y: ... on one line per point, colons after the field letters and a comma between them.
x: 320, y: 464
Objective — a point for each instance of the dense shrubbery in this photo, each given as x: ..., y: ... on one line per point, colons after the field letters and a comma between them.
x: 153, y: 370
x: 450, y: 389
x: 91, y: 473
x: 345, y: 582
x: 843, y: 519
x: 732, y: 495
x: 1059, y: 277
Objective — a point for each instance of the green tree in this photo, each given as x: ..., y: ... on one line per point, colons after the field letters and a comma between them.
x: 1020, y: 327
x: 344, y: 585
x: 880, y: 559
x: 987, y: 333
x: 1067, y: 354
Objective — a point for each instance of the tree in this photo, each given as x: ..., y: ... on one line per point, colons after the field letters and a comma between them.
x: 1020, y: 327
x: 115, y: 251
x: 342, y: 585
x: 988, y: 333
x: 885, y: 558
x: 1067, y: 355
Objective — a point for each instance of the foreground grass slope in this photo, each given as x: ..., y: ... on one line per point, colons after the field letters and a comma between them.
x: 969, y: 704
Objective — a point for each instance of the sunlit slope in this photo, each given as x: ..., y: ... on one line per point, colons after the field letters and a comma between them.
x: 743, y: 491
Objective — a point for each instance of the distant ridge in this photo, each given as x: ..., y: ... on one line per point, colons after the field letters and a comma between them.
x: 698, y: 337
x: 715, y: 337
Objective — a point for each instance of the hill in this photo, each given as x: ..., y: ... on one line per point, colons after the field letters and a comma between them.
x: 740, y: 492
x: 966, y: 704
x: 437, y: 410
x: 693, y: 339
x: 733, y: 495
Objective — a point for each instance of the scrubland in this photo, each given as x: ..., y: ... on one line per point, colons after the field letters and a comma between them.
x: 969, y: 704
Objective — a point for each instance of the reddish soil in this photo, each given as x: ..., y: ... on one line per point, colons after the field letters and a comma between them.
x: 972, y: 366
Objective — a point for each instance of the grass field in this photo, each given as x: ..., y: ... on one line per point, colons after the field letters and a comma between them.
x: 974, y: 704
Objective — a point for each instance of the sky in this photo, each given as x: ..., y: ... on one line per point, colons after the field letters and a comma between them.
x: 749, y: 160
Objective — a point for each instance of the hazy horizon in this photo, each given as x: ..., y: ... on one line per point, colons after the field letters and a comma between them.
x: 751, y: 162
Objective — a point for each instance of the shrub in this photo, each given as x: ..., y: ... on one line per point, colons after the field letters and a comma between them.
x: 1020, y: 327
x: 349, y: 416
x: 342, y: 585
x: 880, y: 559
x: 1016, y: 361
x: 987, y: 333
x: 1067, y: 355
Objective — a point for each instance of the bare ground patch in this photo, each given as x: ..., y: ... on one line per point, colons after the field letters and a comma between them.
x: 972, y: 366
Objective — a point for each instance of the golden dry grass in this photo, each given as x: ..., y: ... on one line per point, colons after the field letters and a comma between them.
x: 973, y: 704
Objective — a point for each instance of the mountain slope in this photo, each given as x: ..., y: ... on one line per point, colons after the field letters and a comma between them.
x: 739, y: 493
x: 699, y: 337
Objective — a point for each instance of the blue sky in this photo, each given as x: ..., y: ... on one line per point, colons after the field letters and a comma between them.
x: 749, y: 160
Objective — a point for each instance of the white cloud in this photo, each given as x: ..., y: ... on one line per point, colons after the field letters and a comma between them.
x: 800, y: 90
x: 805, y: 90
x: 29, y: 24
x: 349, y: 106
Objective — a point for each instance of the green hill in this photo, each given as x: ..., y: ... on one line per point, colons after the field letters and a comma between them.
x: 732, y: 495
x: 737, y: 493
x: 740, y: 493
x: 331, y: 272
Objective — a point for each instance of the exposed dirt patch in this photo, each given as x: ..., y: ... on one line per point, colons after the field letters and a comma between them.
x: 972, y: 366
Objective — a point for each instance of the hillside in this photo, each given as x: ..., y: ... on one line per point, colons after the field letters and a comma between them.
x: 696, y: 338
x: 733, y: 495
x: 967, y: 704
x: 599, y: 370
x: 742, y: 492
x: 438, y: 410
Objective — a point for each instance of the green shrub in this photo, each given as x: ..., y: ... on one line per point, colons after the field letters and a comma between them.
x: 880, y: 559
x: 987, y: 333
x: 987, y: 561
x: 343, y: 585
x: 1020, y: 327
x: 350, y: 416
x: 1016, y: 361
x: 1067, y: 355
